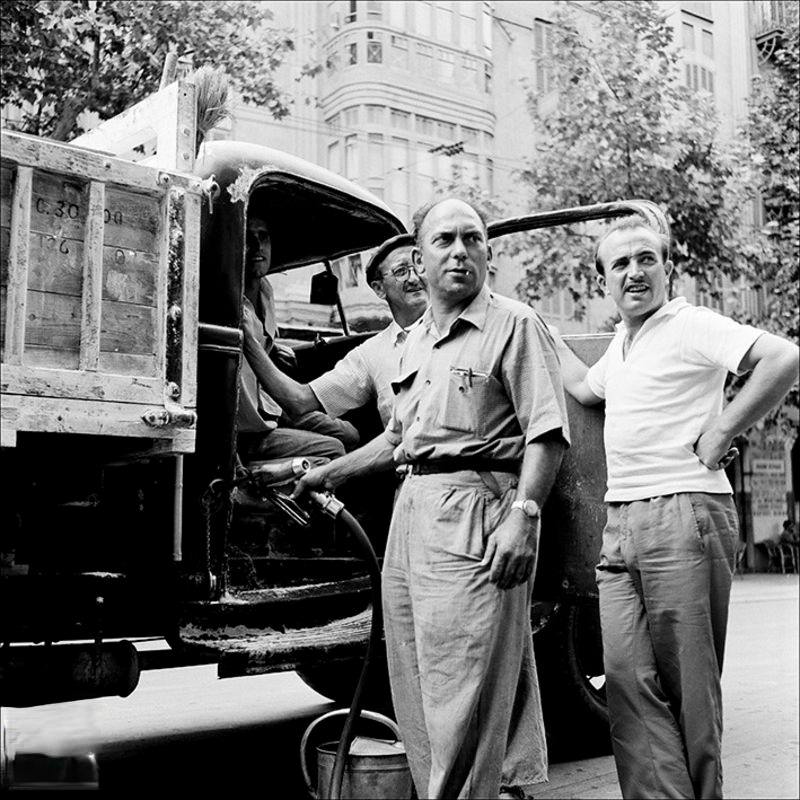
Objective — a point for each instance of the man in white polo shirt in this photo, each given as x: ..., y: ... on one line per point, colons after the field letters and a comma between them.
x: 366, y: 372
x: 667, y: 558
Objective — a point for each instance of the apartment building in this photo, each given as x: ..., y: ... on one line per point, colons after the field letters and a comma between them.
x: 413, y: 93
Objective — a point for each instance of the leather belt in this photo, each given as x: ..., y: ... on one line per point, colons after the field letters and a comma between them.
x: 458, y: 464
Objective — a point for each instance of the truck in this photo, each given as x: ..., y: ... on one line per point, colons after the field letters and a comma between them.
x: 127, y: 512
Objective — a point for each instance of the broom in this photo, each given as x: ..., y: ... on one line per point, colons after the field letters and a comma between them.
x: 211, y: 86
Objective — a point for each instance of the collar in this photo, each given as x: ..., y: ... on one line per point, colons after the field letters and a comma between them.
x: 398, y: 334
x: 475, y: 313
x: 669, y: 309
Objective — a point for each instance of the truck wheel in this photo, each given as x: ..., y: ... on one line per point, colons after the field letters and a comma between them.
x: 569, y: 658
x: 337, y: 681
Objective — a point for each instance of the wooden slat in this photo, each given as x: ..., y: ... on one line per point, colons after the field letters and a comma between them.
x: 191, y: 287
x: 47, y: 382
x: 161, y: 286
x: 92, y: 298
x: 19, y: 252
x: 30, y: 151
x: 57, y: 415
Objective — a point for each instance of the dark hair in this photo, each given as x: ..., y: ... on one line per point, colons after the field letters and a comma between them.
x: 373, y: 270
x: 625, y: 224
x: 422, y: 212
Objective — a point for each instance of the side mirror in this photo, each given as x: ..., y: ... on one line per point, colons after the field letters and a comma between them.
x: 324, y: 289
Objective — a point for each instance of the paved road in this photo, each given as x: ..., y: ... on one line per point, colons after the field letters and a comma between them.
x: 185, y: 729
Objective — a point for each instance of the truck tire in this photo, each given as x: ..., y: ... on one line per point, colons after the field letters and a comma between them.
x: 337, y: 681
x: 569, y: 659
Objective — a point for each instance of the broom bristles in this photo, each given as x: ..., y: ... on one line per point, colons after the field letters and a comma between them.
x: 211, y: 86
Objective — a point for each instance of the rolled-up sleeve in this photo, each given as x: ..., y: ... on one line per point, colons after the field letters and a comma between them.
x: 532, y: 377
x: 347, y: 386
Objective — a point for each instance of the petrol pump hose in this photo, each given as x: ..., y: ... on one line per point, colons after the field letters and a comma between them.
x: 335, y: 508
x: 330, y: 505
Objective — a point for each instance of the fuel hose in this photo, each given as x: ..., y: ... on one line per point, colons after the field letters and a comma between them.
x: 334, y: 508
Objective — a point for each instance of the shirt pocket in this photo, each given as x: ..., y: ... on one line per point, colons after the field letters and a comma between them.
x: 465, y: 405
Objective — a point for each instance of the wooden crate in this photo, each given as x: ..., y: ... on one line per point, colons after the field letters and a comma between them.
x: 98, y: 295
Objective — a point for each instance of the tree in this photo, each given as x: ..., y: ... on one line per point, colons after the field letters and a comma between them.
x: 624, y: 127
x: 773, y: 130
x: 60, y: 58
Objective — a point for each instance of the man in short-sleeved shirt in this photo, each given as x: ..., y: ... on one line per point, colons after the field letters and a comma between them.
x: 479, y: 421
x: 367, y: 371
x: 669, y: 544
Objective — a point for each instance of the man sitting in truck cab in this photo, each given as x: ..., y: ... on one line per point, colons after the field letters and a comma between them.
x: 366, y: 371
x: 265, y: 432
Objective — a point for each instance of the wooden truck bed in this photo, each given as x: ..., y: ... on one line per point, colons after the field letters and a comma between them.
x: 98, y: 295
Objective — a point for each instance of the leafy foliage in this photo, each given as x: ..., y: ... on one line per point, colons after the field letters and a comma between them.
x: 61, y: 57
x: 624, y: 126
x: 774, y: 132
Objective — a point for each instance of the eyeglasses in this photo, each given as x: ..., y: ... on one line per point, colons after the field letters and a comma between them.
x: 402, y: 273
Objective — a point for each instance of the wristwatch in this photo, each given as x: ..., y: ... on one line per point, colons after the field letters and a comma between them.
x: 530, y: 508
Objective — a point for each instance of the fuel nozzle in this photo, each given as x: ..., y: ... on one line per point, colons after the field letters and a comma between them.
x: 271, y: 473
x: 327, y: 503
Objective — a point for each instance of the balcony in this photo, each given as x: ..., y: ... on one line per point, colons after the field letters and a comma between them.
x: 770, y: 17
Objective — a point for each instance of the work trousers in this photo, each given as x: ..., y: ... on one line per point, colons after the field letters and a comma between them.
x: 459, y: 649
x: 664, y: 578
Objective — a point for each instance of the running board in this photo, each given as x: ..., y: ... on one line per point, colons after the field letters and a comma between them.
x: 241, y: 650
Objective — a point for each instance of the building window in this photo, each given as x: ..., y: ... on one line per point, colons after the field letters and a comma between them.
x: 470, y: 137
x: 374, y: 48
x: 351, y: 158
x: 425, y: 172
x: 444, y: 22
x: 486, y: 29
x: 375, y: 156
x: 350, y: 117
x: 445, y: 66
x: 351, y: 13
x: 542, y: 50
x: 374, y: 115
x: 398, y: 176
x: 333, y: 122
x: 446, y: 131
x: 426, y: 126
x: 397, y: 14
x: 425, y: 59
x: 469, y: 68
x: 399, y: 52
x: 708, y: 44
x: 399, y: 119
x: 334, y: 20
x: 335, y: 158
x: 351, y: 52
x: 422, y: 18
x: 487, y: 78
x: 489, y: 176
x: 468, y: 28
x: 374, y: 9
x: 688, y: 36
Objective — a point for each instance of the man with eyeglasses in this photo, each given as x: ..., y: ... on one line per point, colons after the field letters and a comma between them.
x: 366, y: 372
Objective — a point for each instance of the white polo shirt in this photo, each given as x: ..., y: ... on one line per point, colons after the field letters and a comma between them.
x: 366, y: 372
x: 663, y: 396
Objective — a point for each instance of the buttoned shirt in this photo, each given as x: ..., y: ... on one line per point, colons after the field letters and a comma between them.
x: 484, y: 388
x: 662, y: 396
x: 366, y: 372
x: 258, y: 412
